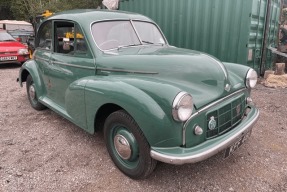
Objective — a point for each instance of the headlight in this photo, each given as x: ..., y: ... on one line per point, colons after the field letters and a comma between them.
x: 251, y: 78
x: 23, y: 51
x: 182, y: 107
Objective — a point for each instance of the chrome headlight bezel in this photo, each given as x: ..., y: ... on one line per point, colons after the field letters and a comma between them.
x: 23, y: 51
x: 251, y: 79
x: 182, y: 107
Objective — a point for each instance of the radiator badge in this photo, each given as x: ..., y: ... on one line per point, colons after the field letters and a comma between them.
x: 212, y: 123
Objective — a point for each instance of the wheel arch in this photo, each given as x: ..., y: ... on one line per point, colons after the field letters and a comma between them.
x: 23, y: 76
x: 103, y: 113
x: 31, y: 68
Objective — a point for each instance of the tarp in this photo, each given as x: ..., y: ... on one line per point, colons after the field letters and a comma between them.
x: 111, y: 4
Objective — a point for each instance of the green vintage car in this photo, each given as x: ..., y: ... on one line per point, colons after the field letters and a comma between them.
x: 115, y: 72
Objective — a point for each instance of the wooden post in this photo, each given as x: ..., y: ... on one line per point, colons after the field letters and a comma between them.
x: 280, y: 69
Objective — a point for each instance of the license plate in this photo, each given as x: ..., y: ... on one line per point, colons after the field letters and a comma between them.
x: 11, y: 58
x: 236, y: 145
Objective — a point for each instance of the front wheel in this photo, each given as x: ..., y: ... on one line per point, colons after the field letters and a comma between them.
x: 127, y: 146
x: 32, y: 94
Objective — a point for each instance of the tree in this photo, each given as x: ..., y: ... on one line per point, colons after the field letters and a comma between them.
x: 5, y: 12
x: 24, y: 9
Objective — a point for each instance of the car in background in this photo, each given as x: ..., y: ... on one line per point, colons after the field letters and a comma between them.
x: 20, y: 30
x: 115, y: 72
x: 12, y: 51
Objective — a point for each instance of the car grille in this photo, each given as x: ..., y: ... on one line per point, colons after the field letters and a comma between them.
x: 226, y: 117
x: 6, y: 53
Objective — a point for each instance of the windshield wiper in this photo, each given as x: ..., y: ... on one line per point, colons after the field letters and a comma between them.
x: 8, y: 40
x: 151, y: 43
x: 125, y: 46
x: 148, y: 42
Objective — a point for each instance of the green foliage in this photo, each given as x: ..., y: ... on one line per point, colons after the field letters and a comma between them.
x: 24, y: 9
x: 5, y: 12
x: 4, y: 2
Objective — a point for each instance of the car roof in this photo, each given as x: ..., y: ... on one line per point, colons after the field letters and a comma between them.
x: 14, y: 22
x: 88, y: 16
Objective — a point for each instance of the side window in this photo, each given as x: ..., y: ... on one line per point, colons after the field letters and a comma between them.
x: 69, y: 39
x: 45, y: 36
x: 64, y: 38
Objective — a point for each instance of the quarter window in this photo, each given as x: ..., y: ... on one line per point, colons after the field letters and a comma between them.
x: 45, y: 36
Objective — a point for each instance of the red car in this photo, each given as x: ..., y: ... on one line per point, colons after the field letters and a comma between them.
x: 12, y: 51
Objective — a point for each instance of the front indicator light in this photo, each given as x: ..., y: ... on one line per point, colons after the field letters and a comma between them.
x: 198, y: 130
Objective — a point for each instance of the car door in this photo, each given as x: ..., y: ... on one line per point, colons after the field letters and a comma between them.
x: 70, y: 61
x: 43, y: 53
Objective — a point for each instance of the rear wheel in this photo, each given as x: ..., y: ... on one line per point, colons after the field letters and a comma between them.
x: 32, y: 94
x: 127, y: 145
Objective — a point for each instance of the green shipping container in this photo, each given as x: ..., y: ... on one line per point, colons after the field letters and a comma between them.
x: 237, y: 31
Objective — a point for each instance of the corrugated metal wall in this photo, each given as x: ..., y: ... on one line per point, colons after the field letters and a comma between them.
x: 256, y: 34
x: 231, y: 30
x: 273, y: 31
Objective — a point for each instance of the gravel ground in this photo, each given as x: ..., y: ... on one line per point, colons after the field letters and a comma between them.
x: 41, y: 151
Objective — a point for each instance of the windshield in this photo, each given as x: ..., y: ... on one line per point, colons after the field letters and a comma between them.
x: 6, y: 37
x: 117, y: 34
x: 148, y: 33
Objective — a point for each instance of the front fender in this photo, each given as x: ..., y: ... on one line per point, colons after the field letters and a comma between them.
x: 236, y: 74
x: 157, y: 125
x: 31, y: 68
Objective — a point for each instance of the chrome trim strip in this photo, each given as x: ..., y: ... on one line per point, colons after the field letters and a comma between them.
x: 136, y: 31
x: 127, y: 71
x: 202, y: 155
x: 41, y: 59
x: 205, y: 109
x: 71, y: 65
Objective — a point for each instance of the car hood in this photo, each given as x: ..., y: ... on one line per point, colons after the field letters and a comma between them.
x: 199, y: 74
x: 10, y: 46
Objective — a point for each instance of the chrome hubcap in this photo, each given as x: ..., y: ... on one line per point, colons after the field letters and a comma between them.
x: 122, y: 147
x: 32, y: 92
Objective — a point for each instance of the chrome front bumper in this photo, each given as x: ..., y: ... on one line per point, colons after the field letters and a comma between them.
x: 179, y: 155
